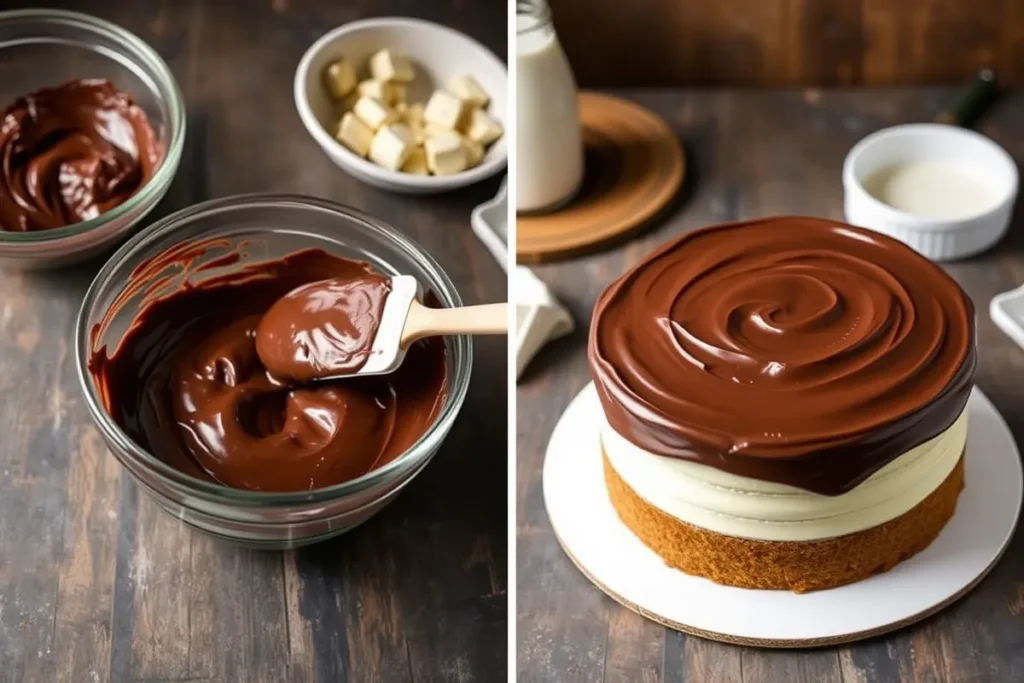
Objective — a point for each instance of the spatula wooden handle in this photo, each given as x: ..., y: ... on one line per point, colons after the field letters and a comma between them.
x: 431, y: 322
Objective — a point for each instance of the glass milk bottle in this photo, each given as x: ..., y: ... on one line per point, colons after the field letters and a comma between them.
x: 549, y: 146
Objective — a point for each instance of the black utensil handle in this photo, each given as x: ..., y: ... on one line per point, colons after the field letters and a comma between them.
x: 973, y: 101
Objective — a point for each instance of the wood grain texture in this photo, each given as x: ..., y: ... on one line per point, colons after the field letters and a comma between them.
x: 754, y: 154
x: 790, y: 42
x: 633, y: 169
x: 98, y: 584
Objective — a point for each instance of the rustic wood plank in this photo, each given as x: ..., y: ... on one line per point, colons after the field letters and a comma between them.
x: 789, y: 42
x: 238, y: 592
x: 798, y: 667
x: 868, y: 662
x: 750, y: 154
x: 37, y: 374
x: 160, y: 576
x: 635, y: 649
x: 87, y: 570
x: 695, y: 660
x: 301, y: 654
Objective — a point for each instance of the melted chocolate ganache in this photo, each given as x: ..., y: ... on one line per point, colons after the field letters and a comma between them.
x: 71, y: 153
x: 794, y: 350
x: 187, y: 384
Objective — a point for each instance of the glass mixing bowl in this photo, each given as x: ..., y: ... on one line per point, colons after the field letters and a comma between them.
x: 272, y: 226
x: 42, y: 48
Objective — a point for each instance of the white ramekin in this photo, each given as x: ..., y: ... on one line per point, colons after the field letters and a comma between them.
x: 935, y: 238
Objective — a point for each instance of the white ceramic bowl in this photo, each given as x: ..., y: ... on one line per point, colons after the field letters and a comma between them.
x: 935, y: 238
x: 439, y: 53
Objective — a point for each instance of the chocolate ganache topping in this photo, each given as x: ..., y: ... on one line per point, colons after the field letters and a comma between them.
x: 71, y: 153
x: 794, y: 350
x: 187, y: 384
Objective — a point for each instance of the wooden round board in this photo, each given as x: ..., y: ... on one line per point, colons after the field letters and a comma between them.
x: 611, y: 557
x: 634, y: 167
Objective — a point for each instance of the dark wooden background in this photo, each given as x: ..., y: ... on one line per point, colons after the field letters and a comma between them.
x: 790, y: 42
x: 96, y: 583
x: 757, y: 154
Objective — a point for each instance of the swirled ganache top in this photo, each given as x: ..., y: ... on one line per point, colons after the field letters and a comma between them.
x: 794, y: 350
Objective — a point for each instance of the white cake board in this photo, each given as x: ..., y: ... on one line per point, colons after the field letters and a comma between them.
x: 619, y: 564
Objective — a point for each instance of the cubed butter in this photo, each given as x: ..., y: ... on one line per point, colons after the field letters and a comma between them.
x: 445, y: 153
x: 414, y: 119
x: 417, y: 162
x: 374, y: 113
x: 378, y: 90
x: 482, y: 128
x: 389, y: 93
x: 414, y: 114
x: 385, y: 65
x: 430, y: 130
x: 443, y: 110
x: 354, y: 134
x: 391, y: 146
x: 474, y: 152
x: 469, y: 91
x: 340, y: 78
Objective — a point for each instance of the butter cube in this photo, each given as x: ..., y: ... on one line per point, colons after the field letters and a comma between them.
x: 340, y: 78
x: 374, y: 113
x: 432, y: 129
x: 443, y: 109
x: 469, y: 91
x: 417, y: 162
x: 474, y: 151
x: 445, y: 153
x: 354, y: 134
x: 389, y: 93
x: 378, y: 90
x: 482, y: 128
x: 385, y: 65
x: 392, y: 146
x: 414, y: 115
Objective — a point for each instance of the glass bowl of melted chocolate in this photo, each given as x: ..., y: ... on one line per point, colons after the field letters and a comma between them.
x: 92, y: 125
x: 167, y: 359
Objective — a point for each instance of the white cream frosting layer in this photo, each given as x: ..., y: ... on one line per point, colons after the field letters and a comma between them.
x: 748, y: 508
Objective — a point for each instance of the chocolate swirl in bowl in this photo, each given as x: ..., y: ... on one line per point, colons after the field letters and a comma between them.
x: 794, y: 350
x: 187, y: 384
x: 71, y: 153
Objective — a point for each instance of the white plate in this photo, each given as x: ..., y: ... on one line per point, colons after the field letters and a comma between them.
x: 617, y: 562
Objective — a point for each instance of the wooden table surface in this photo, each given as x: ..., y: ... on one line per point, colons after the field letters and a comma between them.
x: 96, y: 583
x: 757, y: 154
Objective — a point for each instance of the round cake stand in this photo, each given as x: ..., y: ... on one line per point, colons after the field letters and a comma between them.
x: 620, y: 565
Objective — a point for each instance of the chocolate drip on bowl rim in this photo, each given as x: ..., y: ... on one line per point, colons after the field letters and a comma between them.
x: 801, y: 351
